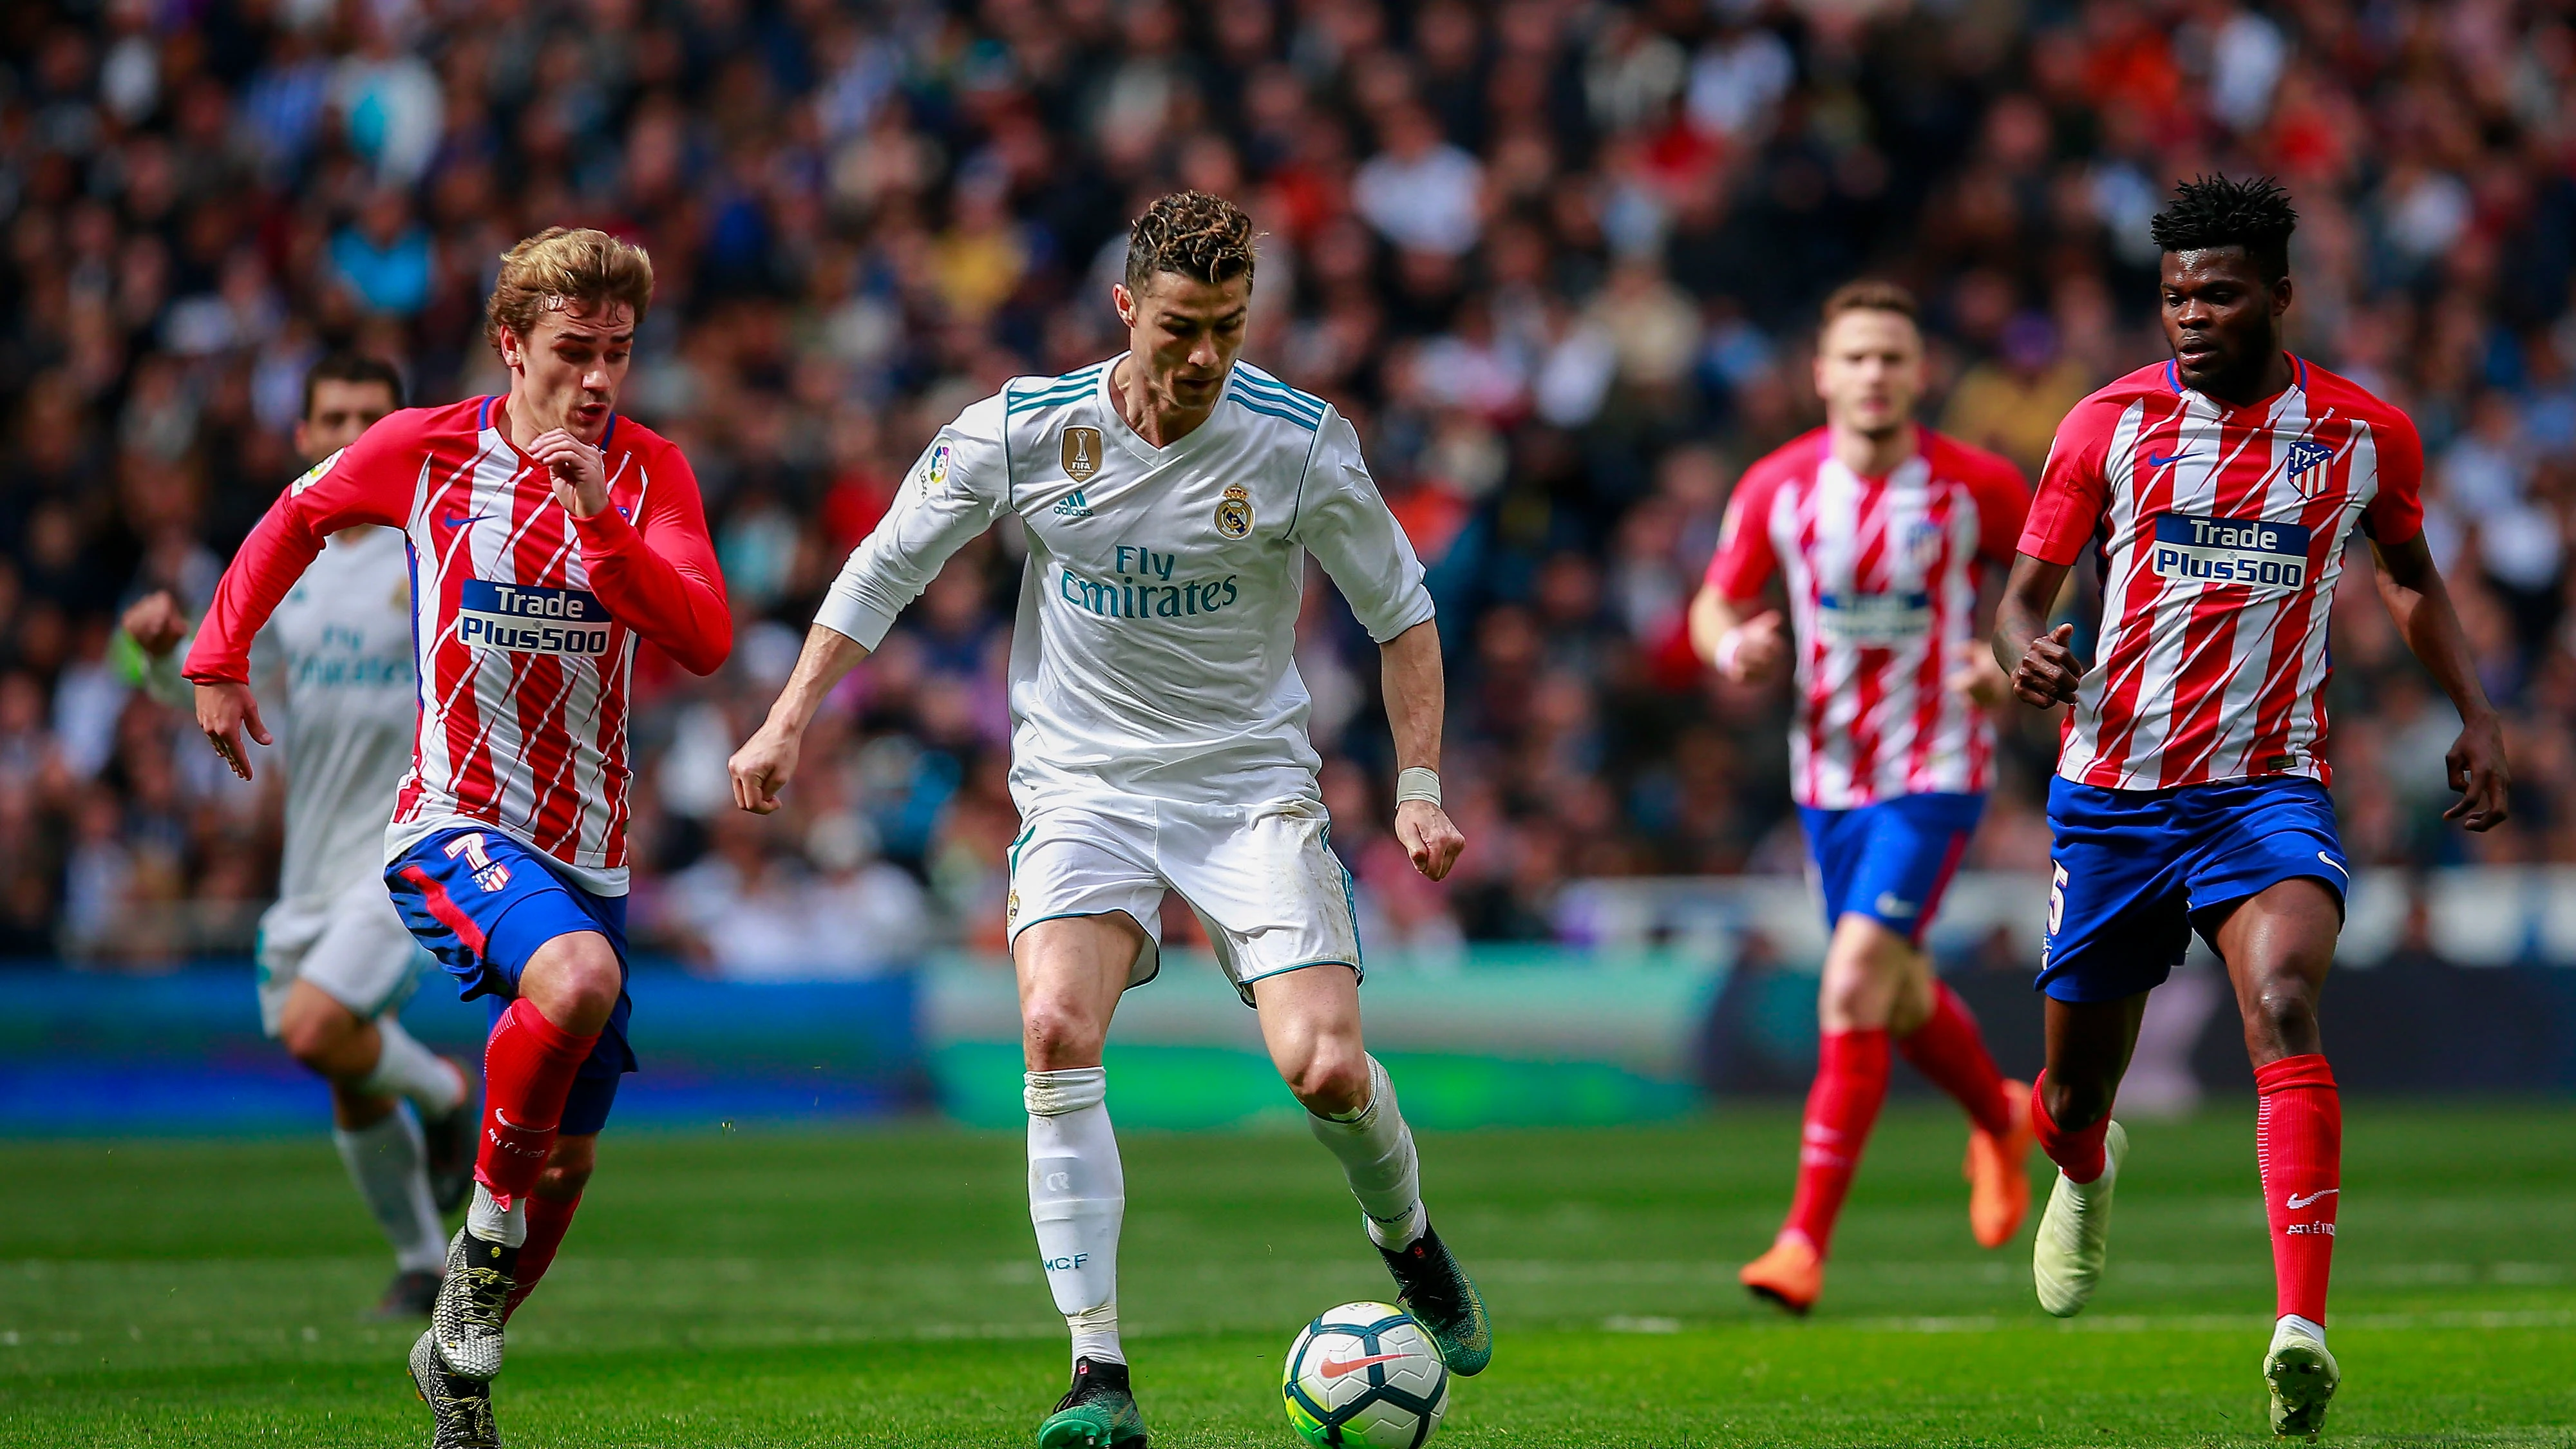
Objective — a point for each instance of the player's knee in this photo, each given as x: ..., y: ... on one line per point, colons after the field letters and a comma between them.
x: 1057, y: 1037
x: 1329, y: 1080
x: 2075, y: 1102
x: 315, y: 1038
x: 584, y: 979
x: 2281, y: 1017
x: 1852, y: 997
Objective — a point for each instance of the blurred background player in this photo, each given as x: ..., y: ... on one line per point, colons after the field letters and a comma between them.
x: 2220, y: 487
x: 547, y: 535
x: 1171, y: 498
x: 335, y: 960
x: 1882, y: 531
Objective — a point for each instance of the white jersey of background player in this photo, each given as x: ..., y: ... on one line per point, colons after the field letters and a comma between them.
x: 335, y: 961
x: 1171, y: 497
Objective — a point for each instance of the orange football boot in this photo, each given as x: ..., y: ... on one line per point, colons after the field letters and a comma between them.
x: 1790, y: 1275
x: 1998, y: 1173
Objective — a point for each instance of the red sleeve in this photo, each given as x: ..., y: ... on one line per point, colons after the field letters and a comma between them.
x: 1745, y: 560
x: 368, y: 481
x: 2072, y: 486
x: 658, y: 576
x: 2397, y: 513
x: 2003, y: 504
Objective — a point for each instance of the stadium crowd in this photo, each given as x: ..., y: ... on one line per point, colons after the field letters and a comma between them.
x: 1556, y: 258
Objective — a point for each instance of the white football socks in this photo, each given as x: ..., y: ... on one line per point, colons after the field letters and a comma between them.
x: 405, y: 1068
x: 1077, y: 1198
x: 389, y: 1166
x: 485, y: 1219
x: 1376, y: 1153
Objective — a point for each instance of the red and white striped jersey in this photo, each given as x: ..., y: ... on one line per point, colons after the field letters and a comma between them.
x: 1882, y: 575
x: 524, y: 618
x: 2222, y: 531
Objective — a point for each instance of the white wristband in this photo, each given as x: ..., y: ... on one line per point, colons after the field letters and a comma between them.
x: 1414, y: 782
x: 1727, y: 650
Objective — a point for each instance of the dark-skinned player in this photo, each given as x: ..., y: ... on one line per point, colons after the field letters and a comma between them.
x: 2220, y: 488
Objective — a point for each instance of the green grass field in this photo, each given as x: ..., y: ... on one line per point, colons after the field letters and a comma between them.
x: 881, y: 1289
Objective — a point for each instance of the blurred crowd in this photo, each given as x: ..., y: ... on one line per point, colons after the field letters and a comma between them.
x: 1556, y: 258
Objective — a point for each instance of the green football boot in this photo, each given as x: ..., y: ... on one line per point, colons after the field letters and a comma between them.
x: 1443, y: 1299
x: 1098, y: 1412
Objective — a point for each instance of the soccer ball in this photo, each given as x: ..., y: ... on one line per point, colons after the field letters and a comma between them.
x: 1365, y: 1375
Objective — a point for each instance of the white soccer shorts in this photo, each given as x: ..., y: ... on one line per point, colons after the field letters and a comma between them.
x: 353, y: 946
x: 1261, y: 879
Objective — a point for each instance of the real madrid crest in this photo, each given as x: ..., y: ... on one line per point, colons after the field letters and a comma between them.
x: 1081, y: 453
x: 1011, y: 907
x: 1234, y: 514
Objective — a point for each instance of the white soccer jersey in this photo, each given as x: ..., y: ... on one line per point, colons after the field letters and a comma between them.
x: 340, y: 644
x: 1153, y: 654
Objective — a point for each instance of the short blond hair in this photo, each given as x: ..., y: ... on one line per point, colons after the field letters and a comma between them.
x: 561, y: 265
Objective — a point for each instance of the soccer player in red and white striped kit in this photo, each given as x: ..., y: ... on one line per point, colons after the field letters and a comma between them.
x: 547, y: 536
x: 1883, y: 532
x: 2219, y: 490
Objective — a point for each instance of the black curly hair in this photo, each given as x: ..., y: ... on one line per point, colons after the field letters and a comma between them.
x: 1206, y: 238
x: 2220, y: 211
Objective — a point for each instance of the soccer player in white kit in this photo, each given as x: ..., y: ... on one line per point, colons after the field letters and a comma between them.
x: 336, y: 963
x: 1171, y: 497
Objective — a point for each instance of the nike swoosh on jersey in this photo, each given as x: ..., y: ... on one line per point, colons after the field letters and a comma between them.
x: 1335, y: 1368
x: 2167, y: 461
x: 452, y: 521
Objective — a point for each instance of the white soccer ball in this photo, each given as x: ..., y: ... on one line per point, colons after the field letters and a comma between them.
x: 1365, y: 1375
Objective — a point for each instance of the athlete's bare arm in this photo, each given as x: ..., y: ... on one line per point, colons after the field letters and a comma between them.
x: 1409, y: 671
x: 2411, y: 586
x: 2040, y: 660
x: 1758, y: 645
x: 767, y: 761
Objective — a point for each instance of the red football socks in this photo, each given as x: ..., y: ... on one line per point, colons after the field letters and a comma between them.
x: 548, y: 1218
x: 2078, y: 1152
x: 527, y: 1073
x: 1948, y: 1049
x: 1851, y: 1082
x: 2298, y: 1141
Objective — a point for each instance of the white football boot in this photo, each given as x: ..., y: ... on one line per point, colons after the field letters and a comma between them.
x: 2075, y: 1233
x: 2303, y: 1377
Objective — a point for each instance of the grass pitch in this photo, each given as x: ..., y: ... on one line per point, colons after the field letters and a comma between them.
x: 881, y: 1288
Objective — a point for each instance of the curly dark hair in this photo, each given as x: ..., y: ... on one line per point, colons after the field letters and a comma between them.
x: 2220, y: 211
x: 1206, y: 238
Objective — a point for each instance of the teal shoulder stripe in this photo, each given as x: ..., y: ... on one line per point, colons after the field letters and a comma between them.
x: 1081, y: 374
x: 1264, y: 408
x: 1031, y: 402
x: 1282, y: 392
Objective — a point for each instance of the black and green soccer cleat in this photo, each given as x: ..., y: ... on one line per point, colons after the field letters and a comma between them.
x: 1098, y: 1412
x: 461, y: 1407
x: 1443, y: 1299
x: 412, y: 1294
x: 465, y: 1322
x: 449, y: 1141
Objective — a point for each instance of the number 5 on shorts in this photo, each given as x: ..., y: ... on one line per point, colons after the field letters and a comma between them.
x: 2056, y: 897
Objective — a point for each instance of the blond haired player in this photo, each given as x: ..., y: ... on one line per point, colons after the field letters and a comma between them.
x: 547, y: 536
x: 1171, y: 496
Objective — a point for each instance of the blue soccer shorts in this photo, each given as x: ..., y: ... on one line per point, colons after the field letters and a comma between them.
x: 1890, y: 861
x: 483, y: 903
x: 2135, y: 872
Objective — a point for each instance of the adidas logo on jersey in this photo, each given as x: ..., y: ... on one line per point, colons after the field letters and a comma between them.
x: 1073, y: 506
